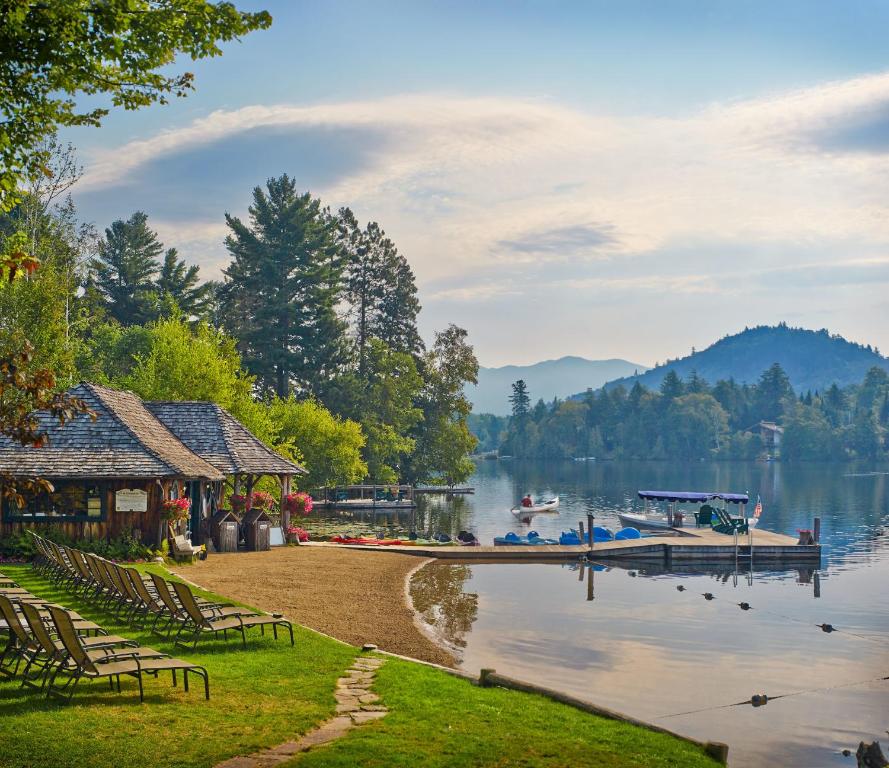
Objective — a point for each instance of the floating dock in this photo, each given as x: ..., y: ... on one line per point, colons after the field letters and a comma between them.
x: 689, y: 545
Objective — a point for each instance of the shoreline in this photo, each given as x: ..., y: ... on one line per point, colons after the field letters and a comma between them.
x: 339, y: 592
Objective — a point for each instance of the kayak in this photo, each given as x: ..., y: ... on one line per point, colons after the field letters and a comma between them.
x: 547, y: 506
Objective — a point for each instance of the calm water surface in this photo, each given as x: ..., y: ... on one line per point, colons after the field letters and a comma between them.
x: 630, y: 639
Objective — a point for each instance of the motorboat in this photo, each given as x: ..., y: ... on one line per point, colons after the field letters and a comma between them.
x: 635, y: 520
x: 675, y: 518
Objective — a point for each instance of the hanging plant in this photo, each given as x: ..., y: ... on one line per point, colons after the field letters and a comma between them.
x: 175, y: 510
x: 299, y: 503
x: 262, y: 500
x: 238, y: 503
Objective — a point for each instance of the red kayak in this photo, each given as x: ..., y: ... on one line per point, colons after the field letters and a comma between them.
x: 370, y: 542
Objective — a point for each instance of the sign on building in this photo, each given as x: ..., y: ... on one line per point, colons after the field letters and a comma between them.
x: 131, y: 500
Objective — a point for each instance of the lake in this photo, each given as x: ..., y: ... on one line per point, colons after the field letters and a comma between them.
x: 647, y: 642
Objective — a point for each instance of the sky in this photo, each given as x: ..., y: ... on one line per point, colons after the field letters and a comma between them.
x: 605, y: 179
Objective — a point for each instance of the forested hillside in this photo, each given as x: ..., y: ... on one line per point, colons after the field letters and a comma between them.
x: 812, y: 360
x: 693, y: 419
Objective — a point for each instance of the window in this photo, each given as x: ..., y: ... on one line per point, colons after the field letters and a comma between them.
x: 70, y: 501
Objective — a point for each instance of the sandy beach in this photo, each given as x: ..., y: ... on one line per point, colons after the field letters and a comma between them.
x: 357, y: 597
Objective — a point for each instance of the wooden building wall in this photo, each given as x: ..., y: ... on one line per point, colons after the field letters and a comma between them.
x: 147, y: 524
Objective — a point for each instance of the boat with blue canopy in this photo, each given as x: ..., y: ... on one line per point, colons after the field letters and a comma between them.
x: 675, y: 518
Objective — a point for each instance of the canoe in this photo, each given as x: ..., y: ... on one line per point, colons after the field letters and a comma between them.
x: 548, y: 506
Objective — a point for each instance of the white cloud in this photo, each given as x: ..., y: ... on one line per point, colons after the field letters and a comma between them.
x: 474, y: 190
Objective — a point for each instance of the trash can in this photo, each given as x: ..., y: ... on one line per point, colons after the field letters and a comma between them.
x: 257, y: 529
x: 224, y: 531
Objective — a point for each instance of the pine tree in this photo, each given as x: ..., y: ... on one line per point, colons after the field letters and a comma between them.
x: 380, y: 288
x: 520, y: 400
x: 395, y: 318
x: 125, y: 269
x: 672, y: 386
x: 281, y: 290
x: 180, y: 283
x: 771, y: 391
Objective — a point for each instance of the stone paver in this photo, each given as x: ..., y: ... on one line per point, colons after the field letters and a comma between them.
x: 354, y: 707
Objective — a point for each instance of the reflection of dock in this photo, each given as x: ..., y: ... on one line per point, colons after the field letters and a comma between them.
x: 383, y: 505
x: 444, y: 489
x: 701, y: 545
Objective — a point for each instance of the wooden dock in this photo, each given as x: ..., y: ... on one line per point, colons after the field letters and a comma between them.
x: 446, y: 490
x: 689, y: 545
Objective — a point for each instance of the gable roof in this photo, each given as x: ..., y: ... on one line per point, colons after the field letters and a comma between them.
x: 215, y: 435
x: 125, y: 440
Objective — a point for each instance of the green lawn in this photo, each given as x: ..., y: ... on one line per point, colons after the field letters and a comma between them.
x: 272, y: 693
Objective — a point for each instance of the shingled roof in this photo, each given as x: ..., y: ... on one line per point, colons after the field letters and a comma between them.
x: 125, y: 440
x: 215, y: 435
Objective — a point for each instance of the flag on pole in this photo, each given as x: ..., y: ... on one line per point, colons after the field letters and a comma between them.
x: 757, y: 510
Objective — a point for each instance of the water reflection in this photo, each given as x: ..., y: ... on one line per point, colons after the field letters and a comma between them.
x: 645, y: 640
x: 682, y: 646
x: 447, y: 610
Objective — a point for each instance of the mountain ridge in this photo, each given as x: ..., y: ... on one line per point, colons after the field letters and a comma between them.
x: 546, y: 379
x: 812, y: 360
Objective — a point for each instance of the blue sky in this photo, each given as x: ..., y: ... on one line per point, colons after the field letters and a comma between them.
x: 621, y: 179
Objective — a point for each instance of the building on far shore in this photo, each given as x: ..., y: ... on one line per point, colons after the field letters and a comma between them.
x: 112, y: 474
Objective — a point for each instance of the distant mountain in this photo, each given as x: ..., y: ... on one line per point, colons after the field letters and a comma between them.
x: 548, y: 379
x: 813, y: 360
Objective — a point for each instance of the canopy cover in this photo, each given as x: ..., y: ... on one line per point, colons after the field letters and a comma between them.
x: 694, y: 497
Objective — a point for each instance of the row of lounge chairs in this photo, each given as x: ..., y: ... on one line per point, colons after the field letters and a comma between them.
x: 55, y: 648
x: 164, y: 606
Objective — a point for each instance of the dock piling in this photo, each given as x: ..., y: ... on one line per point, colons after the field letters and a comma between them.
x: 589, y: 524
x: 816, y: 530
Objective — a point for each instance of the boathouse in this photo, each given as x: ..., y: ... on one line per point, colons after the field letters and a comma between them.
x: 110, y: 473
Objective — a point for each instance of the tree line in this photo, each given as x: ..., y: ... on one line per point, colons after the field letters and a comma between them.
x: 690, y: 419
x: 310, y: 338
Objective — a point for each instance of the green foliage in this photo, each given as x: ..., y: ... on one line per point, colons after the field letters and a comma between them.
x: 330, y: 446
x: 692, y: 420
x: 696, y: 425
x: 20, y: 546
x: 34, y: 309
x: 55, y: 51
x: 178, y: 284
x: 380, y: 288
x: 443, y: 439
x: 387, y: 411
x: 281, y: 291
x: 125, y: 269
x: 108, y: 351
x: 199, y: 363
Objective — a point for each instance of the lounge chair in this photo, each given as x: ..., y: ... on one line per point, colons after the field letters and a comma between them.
x: 198, y: 622
x: 725, y: 523
x: 80, y: 664
x: 704, y: 516
x: 50, y: 651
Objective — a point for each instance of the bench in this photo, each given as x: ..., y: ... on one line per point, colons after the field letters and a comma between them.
x: 183, y: 549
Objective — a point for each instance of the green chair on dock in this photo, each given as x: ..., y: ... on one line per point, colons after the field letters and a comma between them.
x: 704, y: 516
x: 725, y: 523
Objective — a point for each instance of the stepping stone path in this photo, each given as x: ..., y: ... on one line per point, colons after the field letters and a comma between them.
x: 356, y: 704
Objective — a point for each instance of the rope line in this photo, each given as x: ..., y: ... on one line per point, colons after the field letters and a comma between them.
x: 774, y: 698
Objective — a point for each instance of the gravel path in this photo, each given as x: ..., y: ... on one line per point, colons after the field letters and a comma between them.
x: 358, y: 597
